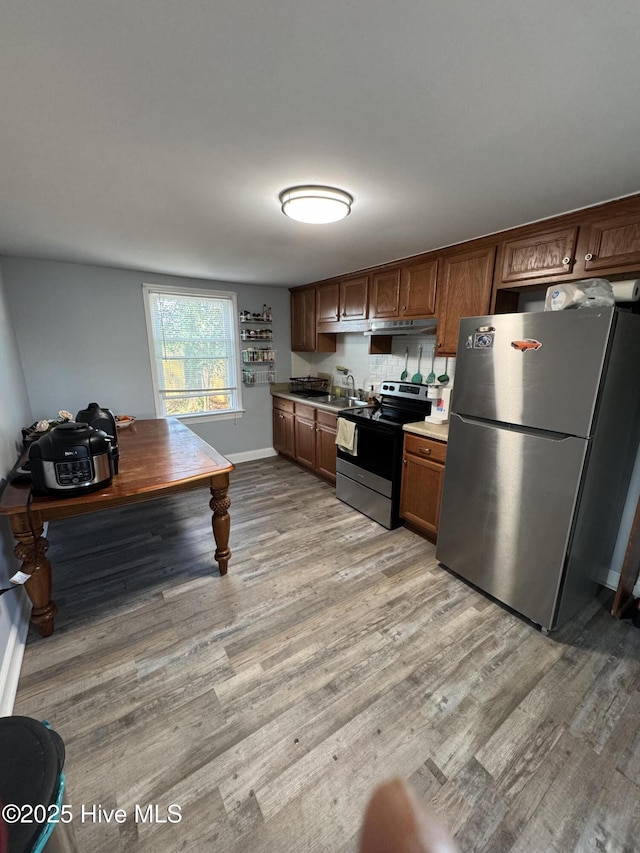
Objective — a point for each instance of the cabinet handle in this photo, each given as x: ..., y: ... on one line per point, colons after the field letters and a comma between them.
x: 588, y: 256
x: 439, y: 344
x: 425, y: 450
x: 566, y: 261
x: 404, y: 307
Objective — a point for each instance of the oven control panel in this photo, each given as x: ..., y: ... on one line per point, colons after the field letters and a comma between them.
x: 404, y: 390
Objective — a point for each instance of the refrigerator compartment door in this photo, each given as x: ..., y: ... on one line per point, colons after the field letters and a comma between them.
x: 506, y: 516
x: 542, y: 369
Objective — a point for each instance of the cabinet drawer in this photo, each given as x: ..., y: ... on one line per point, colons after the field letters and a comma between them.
x: 283, y: 405
x: 306, y: 412
x: 425, y: 448
x: 326, y: 418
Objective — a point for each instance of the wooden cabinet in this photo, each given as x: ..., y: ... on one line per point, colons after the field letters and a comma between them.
x: 422, y: 476
x: 328, y: 303
x: 550, y: 253
x: 303, y: 320
x: 326, y: 429
x: 418, y: 289
x: 404, y: 292
x: 385, y: 294
x: 342, y: 302
x: 612, y: 242
x: 305, y: 435
x: 283, y: 426
x: 463, y: 290
x: 354, y: 298
x: 304, y: 333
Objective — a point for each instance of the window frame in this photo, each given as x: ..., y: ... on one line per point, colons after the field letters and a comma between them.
x: 198, y: 292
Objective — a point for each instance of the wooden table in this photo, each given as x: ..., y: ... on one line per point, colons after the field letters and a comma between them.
x: 157, y: 458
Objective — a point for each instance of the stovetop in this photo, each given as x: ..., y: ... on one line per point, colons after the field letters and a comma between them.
x: 400, y: 403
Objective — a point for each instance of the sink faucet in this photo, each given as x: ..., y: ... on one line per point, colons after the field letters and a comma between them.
x: 353, y: 383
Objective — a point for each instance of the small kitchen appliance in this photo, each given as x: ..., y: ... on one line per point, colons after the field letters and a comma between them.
x: 369, y: 481
x: 104, y: 420
x: 72, y: 459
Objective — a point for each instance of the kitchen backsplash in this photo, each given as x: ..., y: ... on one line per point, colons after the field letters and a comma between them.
x: 352, y: 351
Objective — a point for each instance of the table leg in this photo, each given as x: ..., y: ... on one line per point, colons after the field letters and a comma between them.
x: 219, y: 504
x: 31, y: 550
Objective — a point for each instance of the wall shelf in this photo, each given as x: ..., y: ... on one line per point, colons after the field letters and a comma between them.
x: 258, y: 361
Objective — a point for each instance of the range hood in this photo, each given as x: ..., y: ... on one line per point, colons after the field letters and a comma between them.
x: 403, y: 327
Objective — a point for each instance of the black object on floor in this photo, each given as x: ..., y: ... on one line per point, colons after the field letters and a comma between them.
x: 31, y: 762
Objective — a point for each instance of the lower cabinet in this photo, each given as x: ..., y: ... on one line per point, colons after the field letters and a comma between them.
x: 326, y: 429
x: 422, y: 477
x: 283, y: 417
x: 306, y: 434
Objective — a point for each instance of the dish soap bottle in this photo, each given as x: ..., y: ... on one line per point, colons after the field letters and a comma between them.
x: 371, y: 397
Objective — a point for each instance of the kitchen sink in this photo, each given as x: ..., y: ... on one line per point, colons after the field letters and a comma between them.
x: 341, y: 402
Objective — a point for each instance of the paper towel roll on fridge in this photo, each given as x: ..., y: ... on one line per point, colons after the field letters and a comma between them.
x: 626, y: 291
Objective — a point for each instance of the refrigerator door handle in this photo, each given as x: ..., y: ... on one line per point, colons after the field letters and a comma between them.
x: 499, y: 425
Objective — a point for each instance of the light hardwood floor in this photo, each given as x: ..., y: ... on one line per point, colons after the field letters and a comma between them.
x: 267, y: 704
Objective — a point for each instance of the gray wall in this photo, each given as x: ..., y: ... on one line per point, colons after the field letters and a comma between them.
x: 81, y: 334
x: 14, y: 414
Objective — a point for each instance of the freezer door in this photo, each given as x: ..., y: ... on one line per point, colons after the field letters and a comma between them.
x: 540, y: 370
x: 507, y: 510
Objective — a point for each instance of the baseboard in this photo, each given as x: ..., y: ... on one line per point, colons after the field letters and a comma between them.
x: 250, y: 455
x: 612, y: 580
x: 13, y: 652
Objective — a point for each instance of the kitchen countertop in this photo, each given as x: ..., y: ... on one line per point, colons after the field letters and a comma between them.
x: 438, y: 431
x: 278, y: 391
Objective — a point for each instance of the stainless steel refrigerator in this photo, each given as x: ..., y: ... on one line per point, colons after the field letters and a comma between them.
x: 543, y: 435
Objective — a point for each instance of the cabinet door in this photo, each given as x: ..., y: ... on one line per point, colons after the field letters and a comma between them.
x: 551, y: 253
x: 303, y: 320
x: 385, y: 294
x: 327, y: 305
x: 464, y: 290
x: 354, y: 298
x: 419, y: 289
x: 420, y: 493
x: 305, y: 442
x: 283, y: 432
x: 326, y: 445
x: 613, y: 242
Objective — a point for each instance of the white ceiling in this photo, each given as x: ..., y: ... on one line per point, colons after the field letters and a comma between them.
x: 157, y: 134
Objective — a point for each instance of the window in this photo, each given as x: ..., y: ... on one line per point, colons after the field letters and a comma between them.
x: 193, y: 348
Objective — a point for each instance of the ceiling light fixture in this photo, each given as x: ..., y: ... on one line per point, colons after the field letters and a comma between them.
x: 315, y: 204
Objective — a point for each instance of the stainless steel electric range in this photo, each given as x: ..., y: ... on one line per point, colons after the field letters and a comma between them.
x: 369, y: 481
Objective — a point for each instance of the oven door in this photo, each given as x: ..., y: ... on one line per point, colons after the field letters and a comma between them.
x: 379, y: 448
x: 370, y: 480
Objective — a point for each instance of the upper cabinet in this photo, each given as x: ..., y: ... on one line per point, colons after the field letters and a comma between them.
x: 545, y: 254
x: 385, y: 294
x: 343, y: 301
x: 328, y: 302
x: 418, y: 290
x: 303, y: 320
x: 404, y: 292
x: 305, y: 336
x: 354, y: 298
x: 471, y: 279
x: 596, y: 242
x: 463, y: 290
x: 612, y: 243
